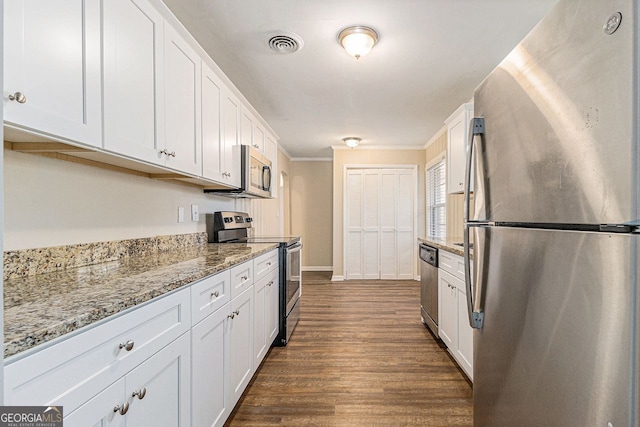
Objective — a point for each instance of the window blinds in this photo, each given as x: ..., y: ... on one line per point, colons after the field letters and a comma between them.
x: 436, y: 201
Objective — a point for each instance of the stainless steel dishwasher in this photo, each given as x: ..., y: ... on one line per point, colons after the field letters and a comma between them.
x: 429, y: 286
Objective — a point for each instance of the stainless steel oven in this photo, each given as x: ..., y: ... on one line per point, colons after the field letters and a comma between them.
x: 232, y: 227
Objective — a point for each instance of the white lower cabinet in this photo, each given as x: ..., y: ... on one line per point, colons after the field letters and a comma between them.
x: 210, y: 404
x: 273, y: 307
x: 266, y: 315
x: 453, y: 320
x: 156, y: 393
x: 240, y: 368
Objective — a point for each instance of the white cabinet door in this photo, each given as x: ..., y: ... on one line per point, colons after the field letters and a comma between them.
x: 52, y: 57
x: 448, y: 309
x: 458, y: 132
x: 182, y: 104
x: 464, y: 352
x: 163, y: 381
x: 258, y: 137
x: 230, y: 130
x: 210, y: 357
x: 103, y: 410
x: 213, y: 148
x: 133, y: 80
x: 240, y: 368
x: 273, y: 307
x: 246, y: 127
x: 260, y: 345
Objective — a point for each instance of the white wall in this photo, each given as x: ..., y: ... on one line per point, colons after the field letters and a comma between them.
x: 50, y: 202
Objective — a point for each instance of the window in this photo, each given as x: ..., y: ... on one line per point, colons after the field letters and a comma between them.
x: 437, y: 200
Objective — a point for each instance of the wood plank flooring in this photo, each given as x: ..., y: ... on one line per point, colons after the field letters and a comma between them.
x: 360, y: 356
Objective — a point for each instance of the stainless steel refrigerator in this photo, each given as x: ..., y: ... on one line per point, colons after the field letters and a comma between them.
x: 553, y: 294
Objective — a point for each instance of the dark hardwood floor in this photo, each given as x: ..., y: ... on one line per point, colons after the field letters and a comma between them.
x: 360, y: 356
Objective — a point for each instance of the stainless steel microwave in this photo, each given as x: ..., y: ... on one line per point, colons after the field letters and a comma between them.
x: 255, y: 169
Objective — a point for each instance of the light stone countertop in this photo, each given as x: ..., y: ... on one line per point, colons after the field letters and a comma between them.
x: 43, y: 307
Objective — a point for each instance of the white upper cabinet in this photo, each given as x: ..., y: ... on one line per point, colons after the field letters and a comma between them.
x: 252, y: 132
x: 212, y: 144
x: 230, y: 135
x: 458, y: 133
x: 52, y: 68
x: 133, y: 80
x: 258, y: 137
x: 246, y: 121
x: 183, y: 141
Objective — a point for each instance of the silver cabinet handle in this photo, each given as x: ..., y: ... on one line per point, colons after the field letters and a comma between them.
x: 122, y: 408
x: 19, y: 97
x: 270, y: 283
x: 231, y: 316
x: 237, y: 312
x: 244, y: 277
x: 167, y: 153
x: 126, y: 345
x: 140, y: 393
x: 268, y: 264
x: 215, y: 294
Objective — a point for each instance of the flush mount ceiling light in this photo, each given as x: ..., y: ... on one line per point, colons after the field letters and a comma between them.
x: 358, y: 40
x: 352, y: 141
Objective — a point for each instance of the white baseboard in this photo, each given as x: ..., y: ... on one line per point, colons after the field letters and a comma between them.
x: 317, y: 268
x: 335, y: 278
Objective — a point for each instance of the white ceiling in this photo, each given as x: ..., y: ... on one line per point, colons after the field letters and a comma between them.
x: 430, y: 57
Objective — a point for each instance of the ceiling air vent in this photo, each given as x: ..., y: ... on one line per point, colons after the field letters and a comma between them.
x: 285, y: 42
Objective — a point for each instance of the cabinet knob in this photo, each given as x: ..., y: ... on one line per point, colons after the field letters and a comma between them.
x: 173, y: 154
x: 231, y: 316
x: 268, y: 264
x: 140, y: 393
x: 270, y: 283
x: 215, y: 294
x: 19, y: 97
x: 122, y: 408
x: 126, y: 345
x: 244, y: 277
x: 237, y: 312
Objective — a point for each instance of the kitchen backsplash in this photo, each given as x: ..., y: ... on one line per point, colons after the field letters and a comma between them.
x: 30, y: 262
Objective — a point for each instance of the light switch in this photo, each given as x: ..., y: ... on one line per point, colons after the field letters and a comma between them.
x: 180, y: 213
x: 194, y: 213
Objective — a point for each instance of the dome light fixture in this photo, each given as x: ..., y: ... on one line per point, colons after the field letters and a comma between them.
x: 352, y: 141
x: 358, y: 40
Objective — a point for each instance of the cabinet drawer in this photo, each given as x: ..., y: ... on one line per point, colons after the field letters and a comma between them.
x: 265, y: 263
x: 451, y: 263
x: 81, y: 366
x: 209, y: 295
x: 241, y: 278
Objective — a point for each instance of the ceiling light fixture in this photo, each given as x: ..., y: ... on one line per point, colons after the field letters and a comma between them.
x: 352, y: 141
x: 358, y: 40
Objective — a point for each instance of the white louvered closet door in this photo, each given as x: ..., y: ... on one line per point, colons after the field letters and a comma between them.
x: 379, y: 239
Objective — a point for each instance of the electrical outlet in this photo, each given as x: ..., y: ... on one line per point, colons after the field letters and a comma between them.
x: 180, y: 213
x: 195, y: 217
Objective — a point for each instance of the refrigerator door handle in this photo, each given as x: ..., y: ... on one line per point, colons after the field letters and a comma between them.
x: 476, y: 316
x: 476, y: 129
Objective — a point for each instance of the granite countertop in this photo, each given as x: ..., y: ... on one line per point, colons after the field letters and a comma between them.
x: 40, y: 308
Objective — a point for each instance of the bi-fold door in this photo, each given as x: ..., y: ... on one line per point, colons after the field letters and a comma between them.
x: 379, y: 232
